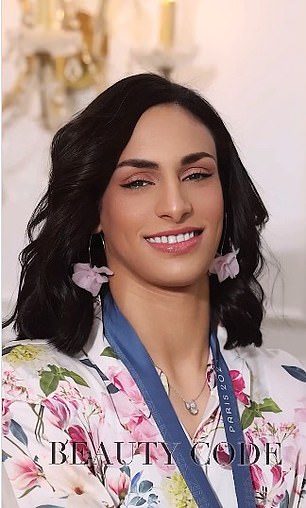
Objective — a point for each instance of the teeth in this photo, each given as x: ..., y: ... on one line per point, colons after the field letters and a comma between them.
x: 172, y: 238
x: 187, y: 236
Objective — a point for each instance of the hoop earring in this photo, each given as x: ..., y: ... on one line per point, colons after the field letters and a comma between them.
x: 89, y: 246
x: 103, y: 241
x: 223, y: 234
x: 89, y: 277
x: 226, y: 265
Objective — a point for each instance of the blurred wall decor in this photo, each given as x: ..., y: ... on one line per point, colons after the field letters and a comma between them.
x: 61, y: 48
x: 165, y: 57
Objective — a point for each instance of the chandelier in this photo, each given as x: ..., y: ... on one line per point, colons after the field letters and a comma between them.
x: 61, y: 48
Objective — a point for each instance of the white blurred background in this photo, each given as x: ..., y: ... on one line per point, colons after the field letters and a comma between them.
x: 246, y: 58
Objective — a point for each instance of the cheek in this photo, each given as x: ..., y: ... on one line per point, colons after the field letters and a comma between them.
x: 107, y: 212
x: 212, y: 205
x: 120, y: 214
x: 218, y: 200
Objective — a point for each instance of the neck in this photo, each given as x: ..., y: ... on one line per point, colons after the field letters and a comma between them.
x: 172, y: 323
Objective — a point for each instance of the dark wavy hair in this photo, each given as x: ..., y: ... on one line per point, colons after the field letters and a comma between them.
x: 84, y: 154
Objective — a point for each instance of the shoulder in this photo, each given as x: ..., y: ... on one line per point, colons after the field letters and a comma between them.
x: 274, y: 361
x: 268, y: 373
x: 34, y: 369
x: 277, y: 374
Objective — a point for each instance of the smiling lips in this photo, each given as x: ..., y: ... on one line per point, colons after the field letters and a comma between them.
x: 178, y: 243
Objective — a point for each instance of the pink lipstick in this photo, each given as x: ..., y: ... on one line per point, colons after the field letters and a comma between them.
x: 182, y: 247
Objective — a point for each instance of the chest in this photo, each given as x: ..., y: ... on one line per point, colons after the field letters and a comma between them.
x: 144, y: 457
x: 191, y: 420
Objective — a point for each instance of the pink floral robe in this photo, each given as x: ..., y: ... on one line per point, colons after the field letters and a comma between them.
x: 77, y: 432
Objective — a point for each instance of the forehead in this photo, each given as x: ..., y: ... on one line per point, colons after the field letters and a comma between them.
x: 168, y: 127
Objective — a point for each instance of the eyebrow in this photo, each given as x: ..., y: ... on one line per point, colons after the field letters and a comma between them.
x: 143, y: 163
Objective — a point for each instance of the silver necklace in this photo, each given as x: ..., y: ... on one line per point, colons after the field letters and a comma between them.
x: 190, y: 405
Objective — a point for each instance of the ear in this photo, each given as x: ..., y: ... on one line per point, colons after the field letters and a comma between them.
x: 97, y: 230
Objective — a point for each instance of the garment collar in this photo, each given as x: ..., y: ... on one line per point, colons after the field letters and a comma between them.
x: 97, y: 344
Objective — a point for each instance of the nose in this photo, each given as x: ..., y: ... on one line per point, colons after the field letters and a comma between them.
x: 173, y: 201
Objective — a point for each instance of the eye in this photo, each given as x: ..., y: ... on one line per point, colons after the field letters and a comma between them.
x: 137, y: 184
x: 198, y: 175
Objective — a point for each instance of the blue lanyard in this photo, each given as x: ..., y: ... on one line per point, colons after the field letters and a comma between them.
x: 130, y: 350
x: 233, y: 429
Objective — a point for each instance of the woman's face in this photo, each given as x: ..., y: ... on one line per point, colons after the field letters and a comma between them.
x: 166, y: 184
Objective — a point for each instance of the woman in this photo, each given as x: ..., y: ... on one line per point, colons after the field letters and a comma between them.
x: 151, y: 389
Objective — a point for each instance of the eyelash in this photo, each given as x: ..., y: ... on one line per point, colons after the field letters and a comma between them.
x: 130, y: 184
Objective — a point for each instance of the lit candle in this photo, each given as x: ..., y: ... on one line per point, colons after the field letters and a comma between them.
x: 59, y: 63
x: 167, y: 22
x: 48, y: 13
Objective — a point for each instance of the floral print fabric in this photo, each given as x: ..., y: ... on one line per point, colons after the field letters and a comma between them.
x: 77, y: 432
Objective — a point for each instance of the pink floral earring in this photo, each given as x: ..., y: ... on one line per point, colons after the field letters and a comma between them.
x: 89, y: 277
x: 226, y: 265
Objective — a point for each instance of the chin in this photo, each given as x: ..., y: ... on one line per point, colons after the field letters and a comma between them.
x: 180, y: 280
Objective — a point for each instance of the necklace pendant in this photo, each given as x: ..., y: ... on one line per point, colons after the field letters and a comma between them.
x: 192, y: 407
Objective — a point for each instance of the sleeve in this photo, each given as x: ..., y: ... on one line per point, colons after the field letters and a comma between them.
x: 294, y: 378
x: 8, y: 496
x: 300, y: 501
x: 279, y: 390
x: 39, y: 466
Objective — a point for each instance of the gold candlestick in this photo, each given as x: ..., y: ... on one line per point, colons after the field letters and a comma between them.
x: 49, y: 14
x: 167, y: 23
